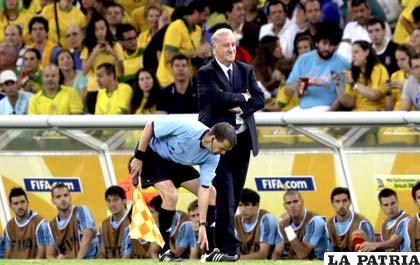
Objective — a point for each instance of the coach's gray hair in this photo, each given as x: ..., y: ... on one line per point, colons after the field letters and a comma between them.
x: 224, y: 131
x: 218, y: 32
x: 11, y: 49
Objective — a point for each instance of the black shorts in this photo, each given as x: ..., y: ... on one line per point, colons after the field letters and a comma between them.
x: 156, y: 169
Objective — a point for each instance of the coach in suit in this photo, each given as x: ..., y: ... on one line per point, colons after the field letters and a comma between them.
x: 228, y: 92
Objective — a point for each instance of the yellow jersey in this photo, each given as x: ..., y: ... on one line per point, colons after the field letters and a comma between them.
x: 286, y: 102
x: 142, y: 110
x: 132, y: 63
x: 401, y: 35
x: 101, y: 58
x: 74, y: 16
x: 397, y: 92
x: 138, y: 17
x: 46, y: 52
x: 377, y: 82
x: 131, y: 5
x: 22, y: 20
x: 115, y: 102
x: 66, y: 101
x: 180, y: 37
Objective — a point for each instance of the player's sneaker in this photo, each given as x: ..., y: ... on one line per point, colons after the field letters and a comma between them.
x: 217, y: 256
x: 168, y: 256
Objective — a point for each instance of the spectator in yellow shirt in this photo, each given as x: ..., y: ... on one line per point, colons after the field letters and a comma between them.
x: 145, y: 92
x: 38, y: 28
x: 139, y: 18
x: 153, y: 13
x: 55, y: 99
x: 11, y: 12
x: 365, y: 87
x: 113, y: 97
x: 100, y: 48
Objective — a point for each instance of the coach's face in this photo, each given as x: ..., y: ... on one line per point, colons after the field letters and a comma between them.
x: 390, y: 206
x: 224, y: 48
x: 61, y: 198
x: 19, y: 205
x: 293, y: 204
x: 341, y: 204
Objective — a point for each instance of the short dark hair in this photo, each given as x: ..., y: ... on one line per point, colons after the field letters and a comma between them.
x: 16, y: 192
x: 249, y: 196
x: 385, y: 193
x: 156, y: 203
x: 415, y: 56
x: 224, y: 131
x: 123, y: 28
x: 339, y: 190
x: 230, y: 4
x: 415, y: 188
x: 197, y: 5
x: 109, y: 68
x: 109, y: 4
x: 193, y: 206
x: 416, y: 14
x: 311, y: 1
x: 329, y: 31
x: 180, y: 57
x: 274, y: 3
x: 37, y: 53
x: 374, y: 20
x: 115, y: 191
x: 38, y: 19
x: 58, y: 186
x: 355, y: 3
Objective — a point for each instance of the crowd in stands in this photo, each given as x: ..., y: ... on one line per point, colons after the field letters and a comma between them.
x: 299, y: 233
x: 140, y: 57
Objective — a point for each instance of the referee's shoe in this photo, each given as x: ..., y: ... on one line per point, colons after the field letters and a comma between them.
x: 169, y: 256
x: 217, y: 256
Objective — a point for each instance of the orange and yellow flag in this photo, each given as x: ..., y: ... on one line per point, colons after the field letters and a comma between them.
x: 143, y: 226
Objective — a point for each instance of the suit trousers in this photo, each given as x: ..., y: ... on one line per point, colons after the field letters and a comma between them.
x: 229, y: 183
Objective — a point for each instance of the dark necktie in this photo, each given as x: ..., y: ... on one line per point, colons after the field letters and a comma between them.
x: 229, y: 72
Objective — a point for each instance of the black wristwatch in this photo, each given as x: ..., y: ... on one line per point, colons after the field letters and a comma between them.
x: 203, y: 223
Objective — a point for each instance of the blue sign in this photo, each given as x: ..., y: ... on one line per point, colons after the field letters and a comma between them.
x: 45, y: 184
x: 299, y: 183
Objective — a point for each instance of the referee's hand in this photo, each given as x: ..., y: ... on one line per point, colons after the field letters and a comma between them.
x: 202, y: 241
x: 136, y: 166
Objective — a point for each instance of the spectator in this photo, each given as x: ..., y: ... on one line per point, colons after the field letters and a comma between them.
x: 406, y: 22
x: 8, y: 56
x: 27, y: 234
x: 253, y: 13
x: 346, y: 227
x: 31, y: 75
x: 74, y: 37
x: 303, y: 44
x: 113, y: 97
x: 394, y: 229
x: 310, y: 78
x: 115, y: 242
x: 313, y: 15
x: 11, y: 13
x: 413, y: 226
x: 411, y: 90
x: 133, y: 54
x: 55, y: 99
x: 16, y: 101
x: 145, y: 92
x: 73, y: 228
x: 88, y: 8
x: 100, y: 48
x: 415, y: 40
x: 180, y: 96
x: 251, y: 218
x: 60, y: 16
x: 153, y: 13
x: 392, y: 9
x: 38, y: 28
x: 280, y: 26
x: 246, y: 33
x: 114, y: 16
x: 302, y: 233
x: 365, y: 89
x: 357, y: 30
x: 69, y: 75
x: 13, y: 34
x: 403, y: 55
x: 346, y: 5
x: 180, y: 39
x: 385, y: 49
x: 138, y: 16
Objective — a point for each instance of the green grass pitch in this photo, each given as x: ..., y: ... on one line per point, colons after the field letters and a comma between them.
x: 147, y: 262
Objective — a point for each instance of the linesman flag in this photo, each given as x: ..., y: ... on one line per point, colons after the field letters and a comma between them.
x: 143, y: 225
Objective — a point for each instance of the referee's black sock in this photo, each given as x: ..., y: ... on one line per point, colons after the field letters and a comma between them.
x: 210, y: 229
x: 165, y: 221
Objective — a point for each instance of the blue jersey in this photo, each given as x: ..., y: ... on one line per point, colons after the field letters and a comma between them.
x: 315, y: 235
x: 43, y: 234
x: 126, y: 247
x: 400, y: 230
x: 268, y: 228
x: 21, y: 106
x: 318, y: 70
x: 187, y: 237
x: 85, y: 221
x: 2, y: 247
x: 180, y: 141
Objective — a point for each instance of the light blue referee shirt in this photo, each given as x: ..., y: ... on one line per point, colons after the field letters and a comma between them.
x: 84, y: 221
x: 180, y: 142
x: 43, y: 232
